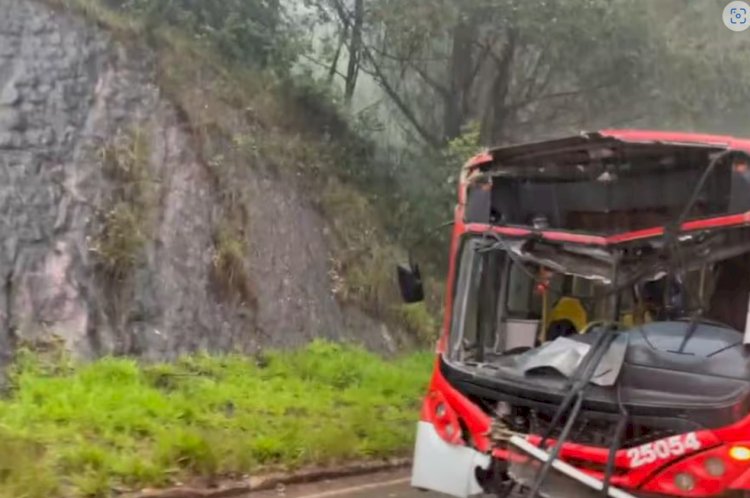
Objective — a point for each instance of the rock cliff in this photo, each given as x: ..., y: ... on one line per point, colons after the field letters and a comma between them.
x: 86, y: 134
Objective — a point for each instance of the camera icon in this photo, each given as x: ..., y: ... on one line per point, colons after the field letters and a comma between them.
x: 736, y: 16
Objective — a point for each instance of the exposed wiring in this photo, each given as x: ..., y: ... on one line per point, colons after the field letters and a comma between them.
x: 616, y: 441
x: 578, y: 383
x: 595, y: 355
x: 542, y: 475
x: 580, y: 371
x: 672, y: 244
x: 587, y: 369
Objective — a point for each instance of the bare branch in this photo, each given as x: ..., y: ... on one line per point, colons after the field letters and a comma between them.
x: 344, y: 15
x: 436, y: 85
x: 355, y: 49
x: 560, y: 95
x: 408, y: 113
x: 320, y: 63
x: 332, y: 71
x: 532, y: 78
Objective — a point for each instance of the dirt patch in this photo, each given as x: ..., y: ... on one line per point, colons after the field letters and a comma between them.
x: 275, y: 480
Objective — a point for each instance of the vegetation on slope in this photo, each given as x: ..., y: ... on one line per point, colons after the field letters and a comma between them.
x: 83, y: 430
x: 248, y: 111
x: 444, y: 77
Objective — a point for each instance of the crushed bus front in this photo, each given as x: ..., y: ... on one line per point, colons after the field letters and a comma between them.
x: 597, y: 309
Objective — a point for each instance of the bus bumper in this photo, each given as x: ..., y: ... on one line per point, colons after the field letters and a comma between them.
x: 443, y: 467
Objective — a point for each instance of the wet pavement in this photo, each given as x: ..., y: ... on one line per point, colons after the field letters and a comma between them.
x: 382, y: 485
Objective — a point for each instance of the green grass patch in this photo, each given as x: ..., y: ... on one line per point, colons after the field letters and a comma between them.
x: 84, y: 430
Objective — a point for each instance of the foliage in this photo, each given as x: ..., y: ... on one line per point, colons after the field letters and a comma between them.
x: 525, y: 68
x: 124, y: 222
x: 464, y: 146
x: 20, y: 471
x: 251, y: 32
x: 519, y: 70
x: 245, y: 118
x: 362, y: 271
x: 442, y: 65
x: 85, y: 429
x: 421, y: 320
x: 702, y: 73
x: 229, y: 267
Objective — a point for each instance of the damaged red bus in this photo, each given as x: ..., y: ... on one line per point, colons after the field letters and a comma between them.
x: 596, y: 322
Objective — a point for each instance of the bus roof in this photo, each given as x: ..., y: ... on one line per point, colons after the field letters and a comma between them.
x: 588, y: 140
x: 562, y: 180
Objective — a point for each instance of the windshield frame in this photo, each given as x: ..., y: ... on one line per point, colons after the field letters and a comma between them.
x: 470, y: 258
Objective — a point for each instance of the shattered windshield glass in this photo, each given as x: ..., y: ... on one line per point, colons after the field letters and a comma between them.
x: 526, y: 293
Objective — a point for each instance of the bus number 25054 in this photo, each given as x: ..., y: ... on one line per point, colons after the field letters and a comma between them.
x: 663, y: 449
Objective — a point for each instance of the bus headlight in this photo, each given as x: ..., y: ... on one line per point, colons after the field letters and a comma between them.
x: 715, y: 467
x: 684, y: 481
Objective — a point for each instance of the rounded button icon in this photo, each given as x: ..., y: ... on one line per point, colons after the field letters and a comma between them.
x: 736, y: 16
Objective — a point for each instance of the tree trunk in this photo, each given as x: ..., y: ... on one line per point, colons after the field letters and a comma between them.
x: 460, y: 75
x: 332, y: 70
x: 355, y: 51
x: 495, y: 116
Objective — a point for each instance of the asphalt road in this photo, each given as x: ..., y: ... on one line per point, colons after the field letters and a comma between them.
x: 384, y: 485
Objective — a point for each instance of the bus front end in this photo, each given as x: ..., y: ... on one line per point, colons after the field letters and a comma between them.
x: 596, y: 321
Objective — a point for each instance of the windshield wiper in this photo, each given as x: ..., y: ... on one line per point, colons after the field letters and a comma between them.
x: 578, y: 384
x: 672, y: 244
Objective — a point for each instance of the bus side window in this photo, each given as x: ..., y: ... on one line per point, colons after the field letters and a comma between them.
x: 521, y: 311
x: 521, y: 302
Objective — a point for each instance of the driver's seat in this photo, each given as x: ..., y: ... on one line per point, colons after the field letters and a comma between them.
x: 567, y: 317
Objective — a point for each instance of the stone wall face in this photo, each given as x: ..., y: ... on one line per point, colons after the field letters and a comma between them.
x: 66, y: 91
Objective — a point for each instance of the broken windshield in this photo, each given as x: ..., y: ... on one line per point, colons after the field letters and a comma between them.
x: 522, y: 293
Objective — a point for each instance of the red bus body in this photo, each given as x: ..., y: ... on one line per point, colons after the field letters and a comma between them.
x: 459, y: 422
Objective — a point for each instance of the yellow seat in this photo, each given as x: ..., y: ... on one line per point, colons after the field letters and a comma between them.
x: 568, y: 308
x: 628, y: 320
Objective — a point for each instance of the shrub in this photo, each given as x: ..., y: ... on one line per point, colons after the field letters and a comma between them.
x: 115, y: 423
x: 251, y: 32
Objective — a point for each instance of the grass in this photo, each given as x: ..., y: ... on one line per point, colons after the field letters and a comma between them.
x: 83, y: 430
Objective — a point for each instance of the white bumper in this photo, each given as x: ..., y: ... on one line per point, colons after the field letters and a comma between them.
x: 445, y: 468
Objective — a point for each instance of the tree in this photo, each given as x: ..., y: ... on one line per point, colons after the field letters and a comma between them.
x: 525, y: 68
x: 502, y: 66
x: 459, y: 73
x: 251, y: 32
x: 349, y: 23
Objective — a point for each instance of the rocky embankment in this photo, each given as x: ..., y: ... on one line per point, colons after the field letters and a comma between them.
x: 109, y: 216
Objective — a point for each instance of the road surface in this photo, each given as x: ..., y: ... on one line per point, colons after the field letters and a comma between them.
x: 383, y: 485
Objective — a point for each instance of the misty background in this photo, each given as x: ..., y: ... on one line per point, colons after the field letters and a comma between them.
x: 432, y: 81
x: 420, y: 85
